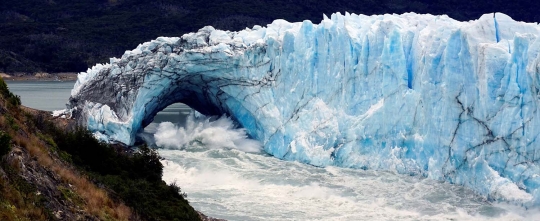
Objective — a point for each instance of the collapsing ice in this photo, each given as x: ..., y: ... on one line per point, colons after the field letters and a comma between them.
x: 418, y: 94
x: 200, y: 132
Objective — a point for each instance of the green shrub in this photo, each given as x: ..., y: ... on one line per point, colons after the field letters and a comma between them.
x: 12, y: 123
x: 12, y: 99
x: 3, y: 87
x: 5, y: 143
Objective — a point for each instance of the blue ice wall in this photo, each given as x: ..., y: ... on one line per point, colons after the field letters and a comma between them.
x: 417, y: 94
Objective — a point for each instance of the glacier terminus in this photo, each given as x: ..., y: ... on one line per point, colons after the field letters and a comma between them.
x: 417, y: 94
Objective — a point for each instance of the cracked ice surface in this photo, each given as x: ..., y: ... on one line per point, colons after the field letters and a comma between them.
x: 418, y: 94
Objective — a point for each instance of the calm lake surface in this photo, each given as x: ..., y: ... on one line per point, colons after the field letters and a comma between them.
x: 229, y: 183
x: 53, y: 95
x: 43, y: 95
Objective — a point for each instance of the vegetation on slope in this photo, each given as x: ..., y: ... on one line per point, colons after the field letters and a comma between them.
x: 71, y: 35
x: 47, y: 173
x: 32, y: 179
x: 135, y: 178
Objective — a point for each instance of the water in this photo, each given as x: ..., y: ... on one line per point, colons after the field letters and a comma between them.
x: 43, y: 95
x: 230, y: 183
x: 224, y: 181
x: 236, y: 185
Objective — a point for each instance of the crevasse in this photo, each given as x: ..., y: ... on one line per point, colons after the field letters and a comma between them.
x: 417, y: 94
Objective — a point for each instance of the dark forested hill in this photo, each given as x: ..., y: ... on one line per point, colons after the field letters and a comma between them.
x: 71, y: 35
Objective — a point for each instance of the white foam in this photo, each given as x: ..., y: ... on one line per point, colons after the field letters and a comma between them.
x: 205, y: 132
x: 230, y: 184
x: 57, y: 113
x: 207, y: 158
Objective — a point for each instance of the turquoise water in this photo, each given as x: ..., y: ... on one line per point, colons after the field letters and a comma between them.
x: 225, y: 182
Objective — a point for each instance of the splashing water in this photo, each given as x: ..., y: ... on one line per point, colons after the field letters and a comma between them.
x: 204, y: 132
x: 227, y: 176
x: 234, y: 185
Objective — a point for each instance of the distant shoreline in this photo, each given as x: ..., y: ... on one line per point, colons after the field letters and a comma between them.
x: 40, y: 76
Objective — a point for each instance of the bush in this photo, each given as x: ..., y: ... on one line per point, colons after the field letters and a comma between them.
x: 12, y: 99
x: 12, y: 123
x: 5, y: 143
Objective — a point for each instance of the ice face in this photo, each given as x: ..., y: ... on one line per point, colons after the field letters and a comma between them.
x: 417, y: 94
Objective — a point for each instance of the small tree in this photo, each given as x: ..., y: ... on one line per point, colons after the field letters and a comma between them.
x: 147, y: 163
x: 5, y: 143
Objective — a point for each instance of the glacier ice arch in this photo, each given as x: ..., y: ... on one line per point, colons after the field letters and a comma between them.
x: 417, y: 94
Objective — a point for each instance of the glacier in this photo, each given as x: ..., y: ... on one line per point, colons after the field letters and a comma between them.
x: 416, y: 94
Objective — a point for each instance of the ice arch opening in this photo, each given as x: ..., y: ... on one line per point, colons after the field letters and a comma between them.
x: 417, y: 94
x: 129, y: 102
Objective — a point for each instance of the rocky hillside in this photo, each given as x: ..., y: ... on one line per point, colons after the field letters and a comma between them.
x: 35, y: 184
x: 50, y: 170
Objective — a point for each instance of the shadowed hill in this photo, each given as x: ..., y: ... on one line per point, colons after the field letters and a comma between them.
x: 68, y: 36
